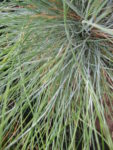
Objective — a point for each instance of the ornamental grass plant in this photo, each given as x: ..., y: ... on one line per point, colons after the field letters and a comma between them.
x: 56, y: 75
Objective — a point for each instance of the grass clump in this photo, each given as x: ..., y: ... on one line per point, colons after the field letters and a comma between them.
x: 56, y: 74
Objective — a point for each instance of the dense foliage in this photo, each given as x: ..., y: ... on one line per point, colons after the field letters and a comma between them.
x: 56, y: 74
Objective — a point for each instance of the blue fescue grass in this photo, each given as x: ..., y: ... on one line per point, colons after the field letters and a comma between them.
x: 56, y: 74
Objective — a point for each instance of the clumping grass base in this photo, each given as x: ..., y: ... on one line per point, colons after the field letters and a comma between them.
x: 56, y: 74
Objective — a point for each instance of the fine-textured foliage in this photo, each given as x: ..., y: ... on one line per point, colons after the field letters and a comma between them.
x: 56, y: 74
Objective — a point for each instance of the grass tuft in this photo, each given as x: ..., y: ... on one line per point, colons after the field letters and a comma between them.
x: 56, y: 74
